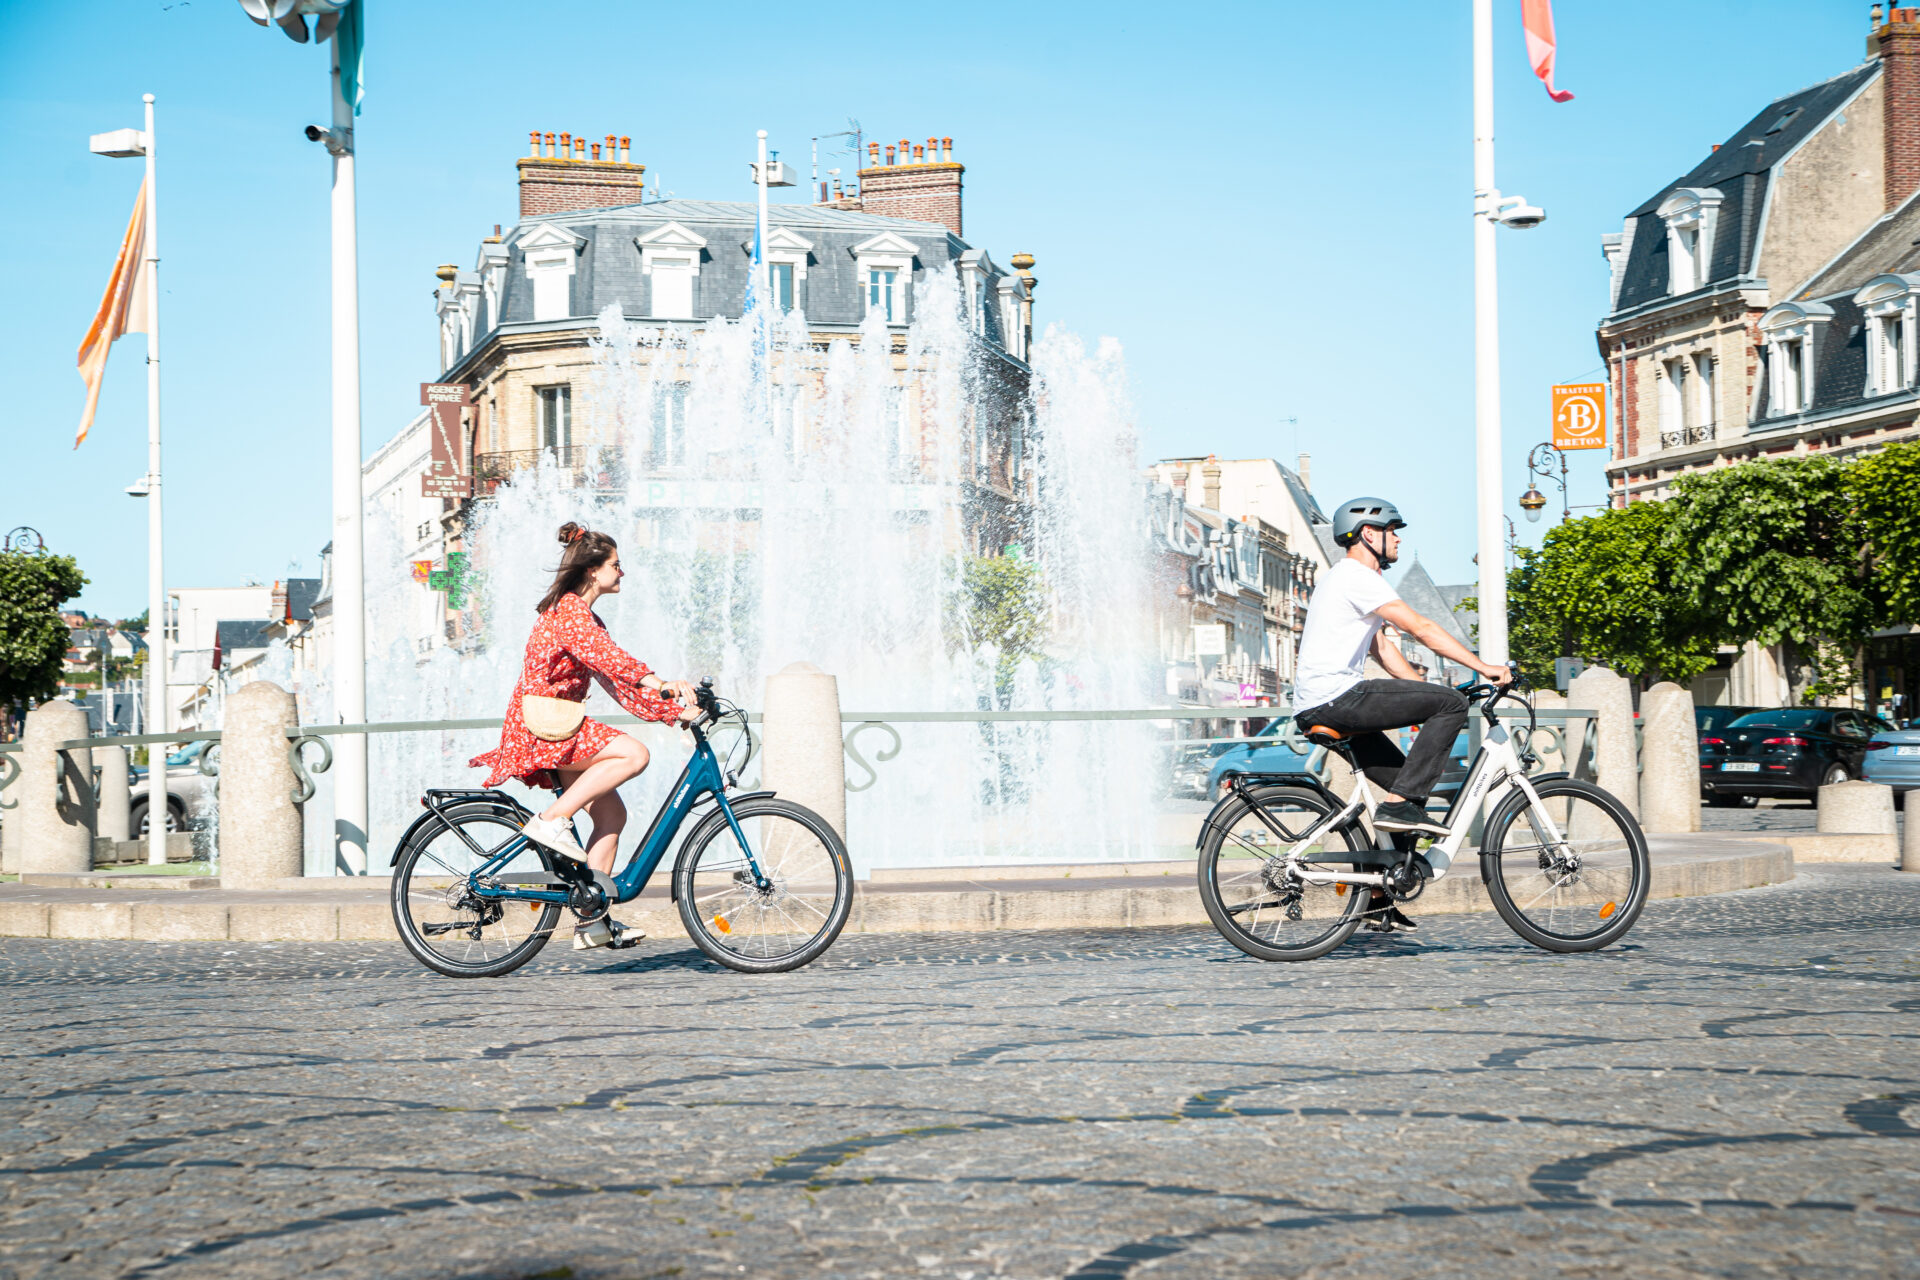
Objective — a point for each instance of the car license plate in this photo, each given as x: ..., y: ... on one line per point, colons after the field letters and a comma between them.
x: 1906, y: 751
x: 1740, y: 767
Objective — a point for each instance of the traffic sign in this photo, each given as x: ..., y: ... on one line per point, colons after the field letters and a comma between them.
x: 1580, y: 416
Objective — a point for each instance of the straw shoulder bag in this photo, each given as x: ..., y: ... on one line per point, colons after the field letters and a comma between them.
x: 551, y: 719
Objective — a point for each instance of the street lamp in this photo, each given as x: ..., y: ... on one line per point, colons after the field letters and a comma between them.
x: 1540, y: 462
x: 1490, y: 210
x: 340, y: 19
x: 126, y: 144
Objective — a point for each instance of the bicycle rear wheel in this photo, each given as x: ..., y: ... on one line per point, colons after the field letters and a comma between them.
x: 1570, y: 873
x: 448, y: 927
x: 788, y: 923
x: 1254, y: 899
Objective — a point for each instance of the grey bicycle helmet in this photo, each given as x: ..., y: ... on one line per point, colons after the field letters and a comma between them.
x: 1358, y: 513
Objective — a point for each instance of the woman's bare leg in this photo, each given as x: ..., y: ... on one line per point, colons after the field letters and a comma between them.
x: 621, y: 760
x: 609, y: 816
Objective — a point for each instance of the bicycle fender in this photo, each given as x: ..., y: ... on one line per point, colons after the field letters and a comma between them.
x: 1515, y: 798
x: 693, y: 840
x: 434, y: 814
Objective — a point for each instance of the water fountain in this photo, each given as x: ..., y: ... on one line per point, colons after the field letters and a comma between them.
x: 775, y: 502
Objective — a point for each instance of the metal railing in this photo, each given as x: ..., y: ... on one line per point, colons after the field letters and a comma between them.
x: 1552, y: 723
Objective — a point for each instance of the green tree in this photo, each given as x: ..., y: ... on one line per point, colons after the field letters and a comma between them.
x: 1774, y: 551
x: 32, y: 638
x: 1603, y: 588
x: 1884, y: 489
x: 1000, y: 602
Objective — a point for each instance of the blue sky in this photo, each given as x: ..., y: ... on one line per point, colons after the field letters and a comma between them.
x: 1268, y: 204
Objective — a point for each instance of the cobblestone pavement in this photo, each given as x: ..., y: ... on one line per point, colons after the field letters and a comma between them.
x: 1734, y: 1091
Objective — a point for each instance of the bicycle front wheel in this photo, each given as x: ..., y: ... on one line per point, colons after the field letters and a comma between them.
x: 1569, y: 873
x: 447, y: 926
x: 805, y: 900
x: 1256, y: 897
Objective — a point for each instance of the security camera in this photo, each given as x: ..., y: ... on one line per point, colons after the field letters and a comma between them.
x: 1515, y: 212
x: 139, y: 488
x: 338, y: 141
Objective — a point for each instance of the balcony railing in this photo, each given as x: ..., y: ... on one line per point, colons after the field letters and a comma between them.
x: 1686, y: 436
x: 591, y: 466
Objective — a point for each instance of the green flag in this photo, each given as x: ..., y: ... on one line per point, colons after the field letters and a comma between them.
x: 350, y: 47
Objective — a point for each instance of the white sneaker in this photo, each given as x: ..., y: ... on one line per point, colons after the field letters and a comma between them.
x: 557, y: 836
x: 589, y: 936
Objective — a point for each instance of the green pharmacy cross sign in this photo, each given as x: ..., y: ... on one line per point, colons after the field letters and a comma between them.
x: 454, y: 580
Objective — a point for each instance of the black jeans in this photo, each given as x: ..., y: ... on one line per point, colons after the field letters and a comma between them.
x: 1372, y: 705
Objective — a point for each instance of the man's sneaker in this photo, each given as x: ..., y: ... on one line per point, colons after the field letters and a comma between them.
x: 1384, y: 917
x: 557, y: 836
x: 589, y: 936
x: 1405, y: 815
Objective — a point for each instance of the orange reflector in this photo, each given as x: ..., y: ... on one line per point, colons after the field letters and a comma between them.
x: 1339, y: 891
x: 720, y: 923
x: 1606, y: 912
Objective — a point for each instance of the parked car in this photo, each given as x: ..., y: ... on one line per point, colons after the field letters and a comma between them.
x: 190, y: 793
x: 1893, y: 757
x: 1266, y: 753
x: 1789, y: 752
x: 1713, y: 719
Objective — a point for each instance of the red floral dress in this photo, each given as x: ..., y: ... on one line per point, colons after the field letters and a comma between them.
x: 569, y: 645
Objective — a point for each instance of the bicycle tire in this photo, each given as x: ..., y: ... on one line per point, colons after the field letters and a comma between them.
x: 481, y: 956
x: 716, y: 904
x: 1227, y: 916
x: 1611, y: 894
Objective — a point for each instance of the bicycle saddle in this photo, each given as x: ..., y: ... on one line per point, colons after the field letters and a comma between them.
x: 1322, y: 736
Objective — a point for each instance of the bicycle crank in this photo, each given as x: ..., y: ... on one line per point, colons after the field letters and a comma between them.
x: 1407, y: 879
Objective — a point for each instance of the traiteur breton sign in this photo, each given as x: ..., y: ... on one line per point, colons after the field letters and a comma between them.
x: 1580, y: 416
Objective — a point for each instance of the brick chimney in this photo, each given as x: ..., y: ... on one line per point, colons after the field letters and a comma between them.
x: 1897, y: 41
x: 562, y: 181
x: 915, y: 182
x: 1210, y: 483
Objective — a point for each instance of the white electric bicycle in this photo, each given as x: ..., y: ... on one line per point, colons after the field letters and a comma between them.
x: 1288, y: 870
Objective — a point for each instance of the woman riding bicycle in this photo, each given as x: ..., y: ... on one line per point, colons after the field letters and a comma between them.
x: 568, y: 648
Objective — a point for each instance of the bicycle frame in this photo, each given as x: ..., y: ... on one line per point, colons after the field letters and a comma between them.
x: 702, y: 777
x: 1495, y: 773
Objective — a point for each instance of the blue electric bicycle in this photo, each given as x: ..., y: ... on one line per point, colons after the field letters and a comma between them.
x: 763, y: 885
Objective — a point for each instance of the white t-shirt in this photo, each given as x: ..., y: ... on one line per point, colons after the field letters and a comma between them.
x: 1342, y: 620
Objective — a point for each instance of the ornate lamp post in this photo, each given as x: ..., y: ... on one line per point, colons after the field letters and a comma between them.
x: 1540, y: 463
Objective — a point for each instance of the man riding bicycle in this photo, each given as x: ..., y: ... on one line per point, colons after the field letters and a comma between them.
x: 1350, y: 605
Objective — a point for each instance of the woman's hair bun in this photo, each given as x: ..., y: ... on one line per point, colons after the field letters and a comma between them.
x: 571, y: 533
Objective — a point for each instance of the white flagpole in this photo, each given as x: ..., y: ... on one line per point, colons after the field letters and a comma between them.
x: 1486, y: 348
x: 158, y: 810
x: 349, y: 570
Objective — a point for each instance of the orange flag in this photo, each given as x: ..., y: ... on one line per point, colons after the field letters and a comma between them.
x: 123, y: 309
x: 1536, y: 16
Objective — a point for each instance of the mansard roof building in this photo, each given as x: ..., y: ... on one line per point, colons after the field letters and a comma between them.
x: 517, y: 329
x: 1762, y: 303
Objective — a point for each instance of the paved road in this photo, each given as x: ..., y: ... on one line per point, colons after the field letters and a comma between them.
x: 1733, y: 1092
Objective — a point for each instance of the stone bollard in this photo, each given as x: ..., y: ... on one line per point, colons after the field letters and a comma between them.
x: 802, y: 757
x: 1910, y: 844
x: 1616, y: 761
x: 116, y: 796
x: 1856, y: 808
x: 261, y: 834
x: 54, y: 821
x: 1670, y: 754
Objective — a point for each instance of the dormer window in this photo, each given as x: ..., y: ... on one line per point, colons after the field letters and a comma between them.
x: 670, y: 259
x: 1691, y: 215
x: 786, y: 257
x: 885, y: 265
x: 975, y: 271
x: 1013, y: 333
x: 1888, y: 303
x: 549, y: 253
x: 1791, y: 333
